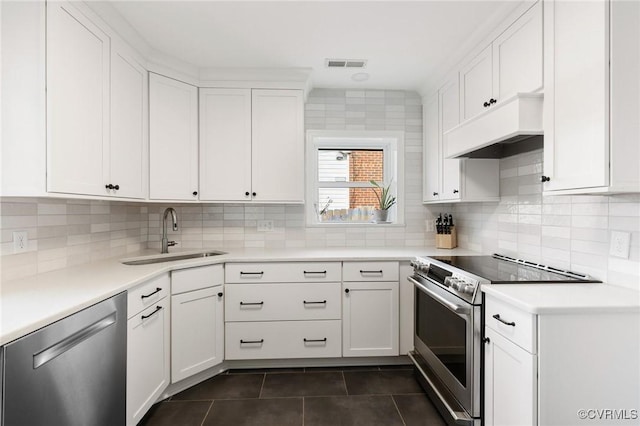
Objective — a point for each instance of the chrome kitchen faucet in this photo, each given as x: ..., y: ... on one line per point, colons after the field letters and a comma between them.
x: 174, y: 218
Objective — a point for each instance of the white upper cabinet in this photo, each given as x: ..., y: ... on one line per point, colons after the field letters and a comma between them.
x: 225, y: 144
x: 452, y: 180
x: 78, y: 54
x: 517, y: 56
x: 449, y: 96
x: 476, y: 84
x: 96, y: 110
x: 592, y: 97
x: 251, y: 145
x: 432, y: 155
x: 277, y: 154
x: 512, y: 63
x: 173, y: 139
x: 129, y: 115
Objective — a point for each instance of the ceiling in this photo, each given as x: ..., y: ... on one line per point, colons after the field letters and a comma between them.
x: 405, y: 42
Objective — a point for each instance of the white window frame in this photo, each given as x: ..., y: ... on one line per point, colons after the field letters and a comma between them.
x: 392, y: 144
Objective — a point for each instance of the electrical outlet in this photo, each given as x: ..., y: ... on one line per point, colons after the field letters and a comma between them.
x: 20, y: 241
x: 620, y: 243
x: 265, y: 226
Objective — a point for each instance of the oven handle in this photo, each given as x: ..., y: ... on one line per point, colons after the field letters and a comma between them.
x: 451, y: 306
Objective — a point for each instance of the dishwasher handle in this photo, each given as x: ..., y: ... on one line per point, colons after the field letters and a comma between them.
x: 72, y: 340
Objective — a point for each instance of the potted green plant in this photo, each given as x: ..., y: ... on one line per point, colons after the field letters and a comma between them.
x: 385, y: 201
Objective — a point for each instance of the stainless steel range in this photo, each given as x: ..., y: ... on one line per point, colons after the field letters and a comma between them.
x: 449, y: 324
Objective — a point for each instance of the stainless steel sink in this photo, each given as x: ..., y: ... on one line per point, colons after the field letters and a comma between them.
x: 172, y: 257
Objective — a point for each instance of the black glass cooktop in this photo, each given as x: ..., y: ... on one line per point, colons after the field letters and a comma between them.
x: 503, y: 270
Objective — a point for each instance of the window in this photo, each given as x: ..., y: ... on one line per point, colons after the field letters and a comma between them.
x: 340, y: 166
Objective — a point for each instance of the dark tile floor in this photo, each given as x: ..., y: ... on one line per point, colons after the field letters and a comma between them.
x: 371, y: 396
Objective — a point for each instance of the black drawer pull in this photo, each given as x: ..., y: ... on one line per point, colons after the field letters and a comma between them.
x: 314, y: 340
x: 251, y: 303
x: 251, y: 341
x: 220, y: 294
x: 497, y: 316
x: 324, y: 302
x: 371, y: 272
x: 315, y: 272
x: 144, y: 296
x: 261, y: 273
x: 152, y: 313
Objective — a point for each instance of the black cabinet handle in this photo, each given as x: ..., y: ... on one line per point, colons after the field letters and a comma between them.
x: 371, y: 272
x: 486, y: 340
x: 251, y: 303
x: 435, y: 194
x: 455, y: 191
x: 158, y: 308
x: 324, y: 302
x: 315, y: 272
x: 109, y: 186
x: 246, y: 194
x: 252, y: 273
x: 144, y: 296
x: 116, y: 187
x: 195, y: 193
x: 254, y: 194
x: 492, y: 101
x: 497, y: 316
x: 486, y: 104
x: 314, y: 340
x: 544, y: 179
x: 251, y: 341
x: 220, y: 294
x: 346, y: 290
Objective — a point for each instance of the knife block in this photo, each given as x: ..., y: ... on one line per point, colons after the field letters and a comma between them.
x: 447, y: 241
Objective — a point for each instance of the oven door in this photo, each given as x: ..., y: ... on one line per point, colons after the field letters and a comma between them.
x: 447, y: 336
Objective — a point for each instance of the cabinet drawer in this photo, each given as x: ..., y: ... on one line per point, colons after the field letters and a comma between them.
x: 191, y: 279
x: 516, y: 325
x: 147, y: 294
x: 370, y: 271
x: 283, y: 272
x: 272, y: 302
x: 283, y: 339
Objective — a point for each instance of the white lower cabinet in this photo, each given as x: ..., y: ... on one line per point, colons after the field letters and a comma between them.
x: 147, y: 354
x: 510, y: 382
x: 197, y: 320
x: 197, y: 331
x: 282, y: 339
x: 370, y: 319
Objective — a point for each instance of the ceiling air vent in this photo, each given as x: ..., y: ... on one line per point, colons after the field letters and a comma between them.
x: 346, y: 63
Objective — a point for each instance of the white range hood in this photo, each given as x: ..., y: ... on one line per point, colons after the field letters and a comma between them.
x: 509, y: 127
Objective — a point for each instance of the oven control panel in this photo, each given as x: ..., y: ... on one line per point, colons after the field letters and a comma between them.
x: 455, y: 281
x: 461, y: 283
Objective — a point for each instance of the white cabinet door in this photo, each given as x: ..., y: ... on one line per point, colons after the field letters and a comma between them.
x: 517, y: 56
x: 370, y: 319
x: 576, y: 105
x: 147, y: 358
x: 197, y: 332
x: 510, y: 383
x: 449, y: 96
x: 225, y: 144
x: 128, y: 145
x: 277, y: 145
x: 432, y: 155
x: 173, y: 139
x: 476, y: 85
x: 77, y: 102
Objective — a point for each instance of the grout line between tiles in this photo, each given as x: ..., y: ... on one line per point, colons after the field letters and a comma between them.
x: 206, y: 414
x: 344, y: 382
x: 303, y: 410
x: 398, y: 410
x: 264, y: 378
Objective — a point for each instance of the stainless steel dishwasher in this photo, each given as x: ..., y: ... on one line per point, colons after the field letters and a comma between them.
x: 72, y: 372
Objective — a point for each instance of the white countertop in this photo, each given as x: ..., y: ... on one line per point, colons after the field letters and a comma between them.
x: 32, y: 303
x: 566, y: 298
